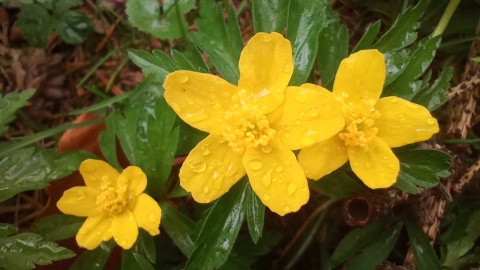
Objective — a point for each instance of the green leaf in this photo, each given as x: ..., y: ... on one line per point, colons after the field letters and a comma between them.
x: 94, y: 259
x: 424, y: 254
x: 419, y: 60
x: 458, y: 248
x: 337, y: 185
x: 147, y: 135
x: 23, y: 251
x: 248, y: 253
x: 58, y: 227
x: 163, y: 21
x: 157, y: 63
x: 30, y: 169
x: 305, y: 19
x: 356, y: 239
x: 36, y: 24
x: 9, y: 104
x: 60, y: 6
x: 422, y: 167
x: 189, y: 137
x: 436, y: 95
x: 269, y: 15
x: 108, y: 142
x: 178, y: 227
x: 368, y: 38
x: 255, y: 214
x: 222, y: 42
x: 7, y: 230
x: 332, y: 46
x: 396, y: 62
x: 403, y: 31
x: 144, y: 247
x: 73, y: 27
x: 218, y: 230
x: 376, y: 251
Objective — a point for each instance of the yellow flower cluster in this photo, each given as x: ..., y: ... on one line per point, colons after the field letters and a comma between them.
x: 254, y: 126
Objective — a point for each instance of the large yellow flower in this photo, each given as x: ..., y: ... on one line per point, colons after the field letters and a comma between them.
x: 372, y: 125
x: 253, y: 126
x: 113, y: 204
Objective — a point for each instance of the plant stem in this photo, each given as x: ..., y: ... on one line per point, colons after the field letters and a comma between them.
x: 447, y: 15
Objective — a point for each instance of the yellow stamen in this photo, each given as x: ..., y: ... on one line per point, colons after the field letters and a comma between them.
x: 112, y: 201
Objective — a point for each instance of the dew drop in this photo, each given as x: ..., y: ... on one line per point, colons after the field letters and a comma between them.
x: 368, y: 165
x: 391, y: 165
x: 198, y: 166
x: 383, y: 174
x: 205, y: 152
x: 287, y: 135
x: 385, y: 157
x: 292, y: 187
x: 266, y: 38
x: 189, y: 101
x: 197, y: 116
x: 313, y: 112
x: 431, y: 121
x: 83, y: 231
x: 301, y: 97
x: 99, y: 233
x: 279, y: 169
x: 266, y: 197
x: 400, y: 115
x: 267, y: 149
x: 302, y: 113
x: 255, y: 164
x: 123, y: 243
x: 287, y: 69
x: 130, y: 218
x: 183, y: 79
x: 394, y: 100
x: 206, y: 189
x: 308, y: 137
x: 286, y: 208
x: 231, y: 170
x: 79, y: 195
x: 152, y: 217
x: 298, y: 122
x: 266, y: 180
x: 221, y: 139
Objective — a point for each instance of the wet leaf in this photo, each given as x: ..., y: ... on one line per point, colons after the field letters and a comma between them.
x: 108, y: 142
x: 36, y: 24
x: 7, y: 230
x: 218, y: 229
x: 73, y: 27
x: 30, y: 169
x: 423, y: 252
x: 60, y: 6
x: 144, y: 249
x: 436, y: 95
x: 189, y: 137
x: 255, y: 212
x: 23, y: 251
x: 421, y: 167
x: 305, y: 19
x: 179, y: 227
x: 337, y: 185
x: 367, y: 39
x: 458, y: 248
x: 157, y: 63
x: 221, y: 41
x: 9, y: 104
x: 58, y: 227
x: 269, y: 15
x: 94, y: 259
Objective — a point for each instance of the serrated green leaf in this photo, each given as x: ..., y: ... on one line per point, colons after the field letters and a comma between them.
x: 305, y: 19
x: 419, y: 60
x: 94, y: 259
x: 158, y: 63
x: 376, y: 251
x: 147, y: 134
x: 396, y: 62
x: 403, y: 31
x: 7, y: 229
x: 255, y: 212
x: 163, y: 21
x: 218, y: 230
x: 332, y: 46
x: 108, y: 142
x: 60, y: 6
x: 73, y: 27
x: 36, y: 24
x: 367, y: 39
x: 23, y: 251
x: 337, y: 185
x: 422, y: 167
x: 9, y: 104
x: 30, y: 169
x: 222, y: 42
x: 58, y: 227
x: 436, y: 95
x: 423, y: 252
x: 181, y: 62
x: 269, y: 15
x: 458, y: 248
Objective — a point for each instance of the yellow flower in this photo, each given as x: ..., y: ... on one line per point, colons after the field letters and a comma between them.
x: 373, y: 125
x: 253, y: 126
x: 113, y: 204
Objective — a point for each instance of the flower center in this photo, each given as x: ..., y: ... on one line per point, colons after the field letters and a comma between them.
x: 360, y: 127
x: 112, y: 201
x: 245, y: 125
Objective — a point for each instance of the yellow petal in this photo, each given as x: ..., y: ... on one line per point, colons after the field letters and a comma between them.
x: 96, y: 173
x: 125, y: 229
x: 199, y: 99
x: 378, y: 167
x: 79, y: 201
x: 93, y: 231
x: 277, y: 178
x: 308, y: 116
x: 147, y: 214
x: 210, y: 169
x: 266, y: 66
x: 361, y: 76
x: 323, y: 158
x: 402, y: 122
x: 134, y: 178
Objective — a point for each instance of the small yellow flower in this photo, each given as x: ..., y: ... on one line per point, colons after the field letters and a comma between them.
x: 373, y: 125
x: 253, y: 126
x: 113, y: 204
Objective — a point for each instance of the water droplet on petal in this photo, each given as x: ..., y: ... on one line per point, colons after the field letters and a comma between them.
x: 286, y: 208
x: 391, y: 165
x: 301, y: 96
x: 266, y: 180
x: 183, y: 78
x: 313, y: 112
x: 231, y: 170
x: 123, y: 243
x: 205, y: 152
x: 221, y: 139
x: 130, y: 218
x: 394, y: 100
x: 385, y: 157
x: 383, y: 174
x: 197, y: 116
x: 292, y: 187
x: 368, y: 165
x: 431, y: 121
x: 206, y: 189
x: 279, y: 169
x: 308, y: 137
x: 198, y: 166
x: 266, y: 197
x: 79, y: 195
x: 175, y: 107
x: 152, y: 217
x: 400, y: 115
x: 287, y: 135
x: 82, y: 231
x: 287, y: 68
x: 266, y: 38
x: 255, y: 164
x: 190, y: 101
x: 302, y: 113
x: 267, y: 149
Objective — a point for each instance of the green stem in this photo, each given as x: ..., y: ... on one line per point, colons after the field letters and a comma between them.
x: 447, y: 15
